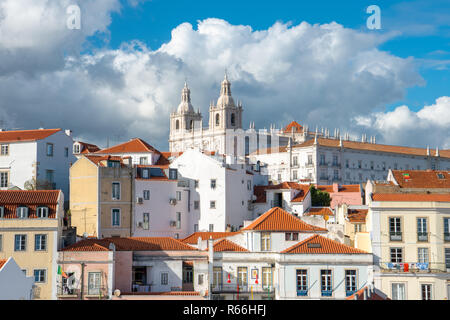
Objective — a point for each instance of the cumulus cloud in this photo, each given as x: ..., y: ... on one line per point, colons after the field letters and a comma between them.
x: 429, y: 125
x: 323, y: 75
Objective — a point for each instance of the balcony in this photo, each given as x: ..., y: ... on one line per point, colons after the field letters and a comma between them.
x: 234, y: 288
x: 336, y: 165
x: 395, y: 236
x: 327, y: 293
x: 323, y: 164
x: 302, y: 293
x: 309, y: 164
x: 139, y: 287
x: 349, y: 292
x: 447, y: 237
x: 66, y: 293
x: 422, y: 236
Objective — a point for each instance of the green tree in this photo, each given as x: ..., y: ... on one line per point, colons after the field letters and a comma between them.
x: 319, y: 198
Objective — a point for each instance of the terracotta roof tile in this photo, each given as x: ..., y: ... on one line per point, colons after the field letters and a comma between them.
x: 88, y: 147
x: 342, y: 188
x: 2, y: 262
x: 357, y: 215
x: 192, y: 239
x: 10, y: 200
x: 411, y: 197
x: 319, y: 211
x: 131, y: 244
x: 334, y: 143
x: 317, y: 244
x: 277, y: 219
x: 135, y: 145
x: 422, y: 179
x: 99, y: 159
x: 26, y: 135
x: 360, y: 295
x: 227, y: 245
x: 297, y: 128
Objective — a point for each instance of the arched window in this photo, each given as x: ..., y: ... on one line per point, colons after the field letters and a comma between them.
x: 191, y: 124
x: 232, y: 119
x: 177, y: 124
x: 217, y: 119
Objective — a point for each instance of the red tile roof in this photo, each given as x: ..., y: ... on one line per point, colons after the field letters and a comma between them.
x: 99, y: 160
x: 334, y: 143
x: 88, y: 148
x: 2, y: 262
x: 163, y: 176
x: 277, y: 219
x: 422, y: 179
x: 411, y: 197
x: 360, y: 295
x: 319, y: 211
x: 131, y: 244
x: 297, y: 128
x: 32, y: 199
x: 357, y: 215
x: 342, y: 188
x: 192, y: 239
x: 227, y: 245
x: 26, y: 135
x: 317, y: 244
x: 260, y: 191
x: 135, y: 145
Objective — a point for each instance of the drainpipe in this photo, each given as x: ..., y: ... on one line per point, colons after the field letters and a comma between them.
x: 82, y: 280
x: 210, y: 266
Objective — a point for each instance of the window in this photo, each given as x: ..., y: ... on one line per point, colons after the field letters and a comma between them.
x: 4, y: 149
x: 211, y: 227
x: 213, y: 183
x: 178, y: 220
x: 113, y: 164
x: 115, y: 213
x: 291, y: 236
x: 217, y: 119
x: 249, y: 184
x: 196, y: 204
x: 50, y: 149
x: 422, y: 234
x: 2, y: 212
x: 426, y: 291
x: 242, y: 276
x: 217, y: 277
x: 173, y: 174
x: 422, y: 255
x: 49, y: 175
x: 359, y: 164
x: 179, y: 195
x: 396, y: 255
x: 143, y: 160
x: 295, y: 160
x: 39, y: 275
x: 446, y: 229
x: 177, y: 124
x: 310, y: 159
x: 164, y: 278
x: 321, y: 159
x: 347, y: 163
x: 145, y: 174
x: 94, y: 283
x: 447, y: 257
x: 350, y: 282
x: 398, y: 291
x: 66, y: 152
x: 325, y: 278
x: 358, y: 227
x: 40, y: 242
x: 336, y: 174
x: 200, y: 278
x: 146, y: 194
x: 395, y: 166
x: 266, y: 277
x: 4, y: 179
x: 76, y: 148
x: 265, y: 241
x: 294, y: 175
x: 22, y: 212
x: 232, y: 119
x: 195, y: 184
x: 395, y: 229
x: 371, y: 165
x: 42, y: 212
x: 146, y: 221
x: 116, y: 190
x: 383, y: 166
x: 196, y: 227
x: 302, y: 282
x: 212, y: 204
x: 20, y: 242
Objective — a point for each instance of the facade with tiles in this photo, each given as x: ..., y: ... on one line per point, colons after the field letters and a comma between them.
x: 409, y: 230
x: 31, y: 224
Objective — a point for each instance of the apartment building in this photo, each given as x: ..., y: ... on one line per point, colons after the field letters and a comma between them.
x: 409, y: 223
x: 36, y: 159
x: 102, y: 196
x: 31, y: 224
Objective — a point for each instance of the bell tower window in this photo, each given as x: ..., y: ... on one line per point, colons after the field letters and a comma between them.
x: 217, y: 119
x: 177, y: 125
x: 233, y: 120
x: 191, y: 124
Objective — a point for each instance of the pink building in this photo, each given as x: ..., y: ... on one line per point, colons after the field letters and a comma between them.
x: 132, y: 268
x: 350, y: 194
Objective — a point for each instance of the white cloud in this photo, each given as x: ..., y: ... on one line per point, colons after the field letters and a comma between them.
x: 429, y: 125
x: 316, y: 74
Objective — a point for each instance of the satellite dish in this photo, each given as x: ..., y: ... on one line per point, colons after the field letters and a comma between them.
x: 117, y: 293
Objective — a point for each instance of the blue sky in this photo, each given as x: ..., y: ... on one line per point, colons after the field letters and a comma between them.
x: 421, y: 34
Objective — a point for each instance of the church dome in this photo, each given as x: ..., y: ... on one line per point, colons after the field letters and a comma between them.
x: 225, y: 98
x: 185, y: 104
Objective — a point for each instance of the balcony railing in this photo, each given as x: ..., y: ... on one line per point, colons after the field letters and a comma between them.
x: 234, y: 288
x: 395, y: 236
x: 302, y: 293
x: 447, y: 237
x: 138, y: 287
x: 309, y: 164
x: 327, y: 293
x: 422, y: 236
x: 64, y: 292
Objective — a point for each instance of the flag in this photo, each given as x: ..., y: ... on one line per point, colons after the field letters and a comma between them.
x: 59, y: 270
x: 62, y: 273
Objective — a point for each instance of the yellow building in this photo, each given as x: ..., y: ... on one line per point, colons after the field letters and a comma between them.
x: 410, y: 240
x: 353, y: 218
x: 31, y: 224
x: 101, y: 191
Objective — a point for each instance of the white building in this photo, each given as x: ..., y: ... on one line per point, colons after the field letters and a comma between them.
x: 40, y: 158
x: 14, y: 284
x: 333, y: 159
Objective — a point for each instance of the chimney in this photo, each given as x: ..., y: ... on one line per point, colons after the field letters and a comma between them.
x: 68, y: 132
x: 335, y: 187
